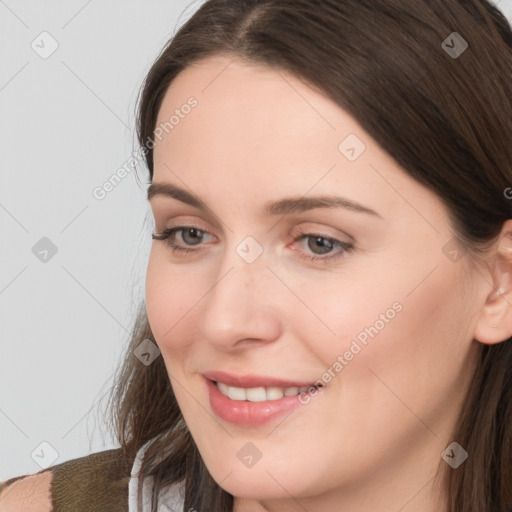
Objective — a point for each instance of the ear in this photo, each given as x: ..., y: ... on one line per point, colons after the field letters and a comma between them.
x: 495, y: 320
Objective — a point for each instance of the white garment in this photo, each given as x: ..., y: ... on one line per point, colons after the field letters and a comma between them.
x: 171, y: 499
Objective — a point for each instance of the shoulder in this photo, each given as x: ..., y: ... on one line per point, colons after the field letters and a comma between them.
x: 98, y: 481
x: 27, y: 493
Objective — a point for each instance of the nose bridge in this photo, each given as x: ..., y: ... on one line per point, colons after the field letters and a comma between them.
x: 238, y: 305
x: 242, y: 270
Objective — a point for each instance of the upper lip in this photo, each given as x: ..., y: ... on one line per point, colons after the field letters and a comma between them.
x: 253, y: 381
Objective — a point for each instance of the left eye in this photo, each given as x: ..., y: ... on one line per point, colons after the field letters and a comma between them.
x: 325, y: 245
x: 192, y: 236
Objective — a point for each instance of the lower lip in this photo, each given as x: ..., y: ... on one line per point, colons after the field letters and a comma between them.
x: 248, y: 413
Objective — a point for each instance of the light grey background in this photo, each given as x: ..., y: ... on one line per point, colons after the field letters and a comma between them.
x: 66, y: 126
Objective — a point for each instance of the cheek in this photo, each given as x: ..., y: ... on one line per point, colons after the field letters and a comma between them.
x: 418, y: 360
x: 409, y: 325
x: 171, y: 293
x: 341, y: 312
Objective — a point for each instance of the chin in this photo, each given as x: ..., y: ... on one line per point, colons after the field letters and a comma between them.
x: 263, y: 481
x: 257, y: 486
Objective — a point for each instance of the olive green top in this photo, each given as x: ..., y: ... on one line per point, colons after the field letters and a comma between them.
x: 94, y: 483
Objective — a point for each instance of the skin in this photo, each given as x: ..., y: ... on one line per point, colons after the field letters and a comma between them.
x: 372, y: 440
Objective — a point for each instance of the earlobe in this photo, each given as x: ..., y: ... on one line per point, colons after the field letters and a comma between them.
x: 495, y: 321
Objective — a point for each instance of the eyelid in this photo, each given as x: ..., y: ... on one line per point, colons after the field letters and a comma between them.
x: 310, y: 228
x: 297, y: 231
x: 165, y: 212
x: 182, y: 221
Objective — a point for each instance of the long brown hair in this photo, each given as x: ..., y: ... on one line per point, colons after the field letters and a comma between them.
x: 445, y: 118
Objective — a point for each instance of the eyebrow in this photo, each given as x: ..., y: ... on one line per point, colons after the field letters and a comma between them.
x: 280, y: 207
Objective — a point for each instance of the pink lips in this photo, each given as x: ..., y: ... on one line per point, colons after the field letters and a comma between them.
x: 248, y: 413
x: 253, y: 381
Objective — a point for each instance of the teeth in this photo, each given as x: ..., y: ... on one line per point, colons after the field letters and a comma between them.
x: 291, y: 391
x: 275, y: 393
x: 251, y: 394
x: 258, y: 394
x: 237, y: 394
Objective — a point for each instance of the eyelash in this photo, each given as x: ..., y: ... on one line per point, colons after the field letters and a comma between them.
x: 167, y: 235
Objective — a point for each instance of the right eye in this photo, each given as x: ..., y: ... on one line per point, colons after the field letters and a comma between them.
x: 190, y: 234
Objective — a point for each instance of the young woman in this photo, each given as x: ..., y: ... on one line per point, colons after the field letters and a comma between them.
x: 328, y: 304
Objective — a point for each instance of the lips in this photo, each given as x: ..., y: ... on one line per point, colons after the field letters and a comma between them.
x: 254, y: 413
x: 254, y: 381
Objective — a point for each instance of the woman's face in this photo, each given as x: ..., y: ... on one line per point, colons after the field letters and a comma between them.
x: 383, y: 317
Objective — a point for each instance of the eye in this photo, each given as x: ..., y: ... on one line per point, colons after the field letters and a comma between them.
x: 191, y: 235
x: 323, y: 248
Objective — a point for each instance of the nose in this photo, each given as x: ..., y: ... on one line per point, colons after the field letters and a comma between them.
x: 242, y: 307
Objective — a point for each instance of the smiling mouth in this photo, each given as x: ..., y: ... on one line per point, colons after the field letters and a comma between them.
x: 252, y: 401
x: 262, y: 394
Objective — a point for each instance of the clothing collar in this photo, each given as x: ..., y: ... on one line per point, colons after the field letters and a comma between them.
x: 172, y: 497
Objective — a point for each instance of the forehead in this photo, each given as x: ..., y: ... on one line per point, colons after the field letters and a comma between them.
x: 256, y: 126
x: 253, y: 106
x: 249, y: 120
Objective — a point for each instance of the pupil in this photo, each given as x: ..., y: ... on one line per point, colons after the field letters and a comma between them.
x: 196, y: 237
x: 324, y: 244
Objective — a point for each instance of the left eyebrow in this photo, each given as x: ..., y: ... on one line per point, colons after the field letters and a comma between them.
x: 302, y: 204
x: 280, y: 207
